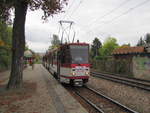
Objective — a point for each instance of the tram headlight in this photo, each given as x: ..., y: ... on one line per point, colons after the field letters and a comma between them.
x: 73, y: 73
x: 87, y: 72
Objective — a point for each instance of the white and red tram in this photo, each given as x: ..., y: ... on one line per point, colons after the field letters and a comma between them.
x: 69, y: 63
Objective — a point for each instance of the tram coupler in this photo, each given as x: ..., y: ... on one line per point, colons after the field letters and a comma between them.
x: 78, y: 82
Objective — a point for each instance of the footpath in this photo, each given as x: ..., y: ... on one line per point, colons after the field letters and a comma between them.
x: 41, y: 94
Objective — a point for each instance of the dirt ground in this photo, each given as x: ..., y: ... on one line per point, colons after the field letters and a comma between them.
x: 10, y: 101
x: 32, y: 98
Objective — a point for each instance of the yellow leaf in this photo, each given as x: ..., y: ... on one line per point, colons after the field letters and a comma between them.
x: 2, y: 43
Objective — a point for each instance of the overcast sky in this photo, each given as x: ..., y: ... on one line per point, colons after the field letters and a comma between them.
x: 126, y: 20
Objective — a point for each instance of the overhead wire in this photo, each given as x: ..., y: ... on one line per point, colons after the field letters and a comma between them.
x: 111, y: 11
x: 68, y: 9
x: 126, y: 12
x: 75, y: 9
x: 81, y: 1
x: 72, y: 3
x: 117, y: 17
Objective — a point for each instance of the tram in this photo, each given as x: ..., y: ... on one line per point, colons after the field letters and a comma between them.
x: 69, y: 63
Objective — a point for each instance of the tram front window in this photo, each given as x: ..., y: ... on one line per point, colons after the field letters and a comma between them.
x: 79, y: 54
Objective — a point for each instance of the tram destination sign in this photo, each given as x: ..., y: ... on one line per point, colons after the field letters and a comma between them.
x: 78, y: 47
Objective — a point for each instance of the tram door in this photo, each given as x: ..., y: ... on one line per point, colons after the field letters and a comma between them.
x: 58, y: 64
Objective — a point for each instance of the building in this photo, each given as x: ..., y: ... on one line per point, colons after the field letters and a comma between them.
x: 137, y: 60
x: 29, y: 56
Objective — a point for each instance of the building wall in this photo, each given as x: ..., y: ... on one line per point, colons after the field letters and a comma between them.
x: 119, y: 66
x: 141, y: 67
x: 137, y: 66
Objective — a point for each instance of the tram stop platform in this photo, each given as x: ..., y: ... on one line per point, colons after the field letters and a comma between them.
x: 48, y: 95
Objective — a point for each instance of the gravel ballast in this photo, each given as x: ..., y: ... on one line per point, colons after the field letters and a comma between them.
x: 134, y: 98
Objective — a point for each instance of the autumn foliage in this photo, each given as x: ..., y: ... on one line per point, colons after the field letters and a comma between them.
x: 49, y: 7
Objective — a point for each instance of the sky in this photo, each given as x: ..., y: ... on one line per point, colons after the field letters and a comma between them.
x: 126, y: 20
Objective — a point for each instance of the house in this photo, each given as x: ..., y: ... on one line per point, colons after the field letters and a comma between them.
x: 137, y: 60
x: 29, y: 56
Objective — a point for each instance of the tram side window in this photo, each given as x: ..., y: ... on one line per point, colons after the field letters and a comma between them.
x: 50, y: 59
x: 65, y: 56
x: 55, y: 56
x: 62, y: 57
x: 53, y: 59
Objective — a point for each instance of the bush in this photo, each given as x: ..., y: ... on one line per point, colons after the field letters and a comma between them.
x: 5, y: 51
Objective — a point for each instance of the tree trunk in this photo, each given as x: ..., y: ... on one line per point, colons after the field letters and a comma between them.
x: 18, y: 45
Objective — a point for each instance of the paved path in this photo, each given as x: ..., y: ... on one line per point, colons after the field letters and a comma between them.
x: 50, y: 96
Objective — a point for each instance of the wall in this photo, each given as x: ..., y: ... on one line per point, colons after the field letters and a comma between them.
x: 141, y: 67
x: 119, y: 66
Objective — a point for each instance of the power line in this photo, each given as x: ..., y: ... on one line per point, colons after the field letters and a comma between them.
x: 68, y: 9
x: 131, y: 9
x: 88, y: 31
x: 81, y: 1
x: 126, y: 12
x: 111, y: 11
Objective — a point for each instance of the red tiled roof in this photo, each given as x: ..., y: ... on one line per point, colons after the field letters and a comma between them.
x: 128, y: 50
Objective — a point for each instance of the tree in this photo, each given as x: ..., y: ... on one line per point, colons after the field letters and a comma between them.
x: 5, y: 45
x: 49, y: 7
x: 141, y: 42
x: 95, y: 47
x: 125, y: 45
x: 109, y: 45
x: 147, y: 38
x: 55, y: 41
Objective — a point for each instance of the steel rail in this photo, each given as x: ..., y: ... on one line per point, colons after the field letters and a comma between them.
x: 112, y: 100
x: 123, y: 77
x: 89, y: 102
x: 123, y: 81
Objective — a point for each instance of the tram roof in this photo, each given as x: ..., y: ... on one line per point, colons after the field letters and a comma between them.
x: 66, y: 44
x: 78, y: 43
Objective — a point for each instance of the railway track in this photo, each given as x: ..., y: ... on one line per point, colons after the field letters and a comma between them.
x: 100, y: 102
x: 138, y: 83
